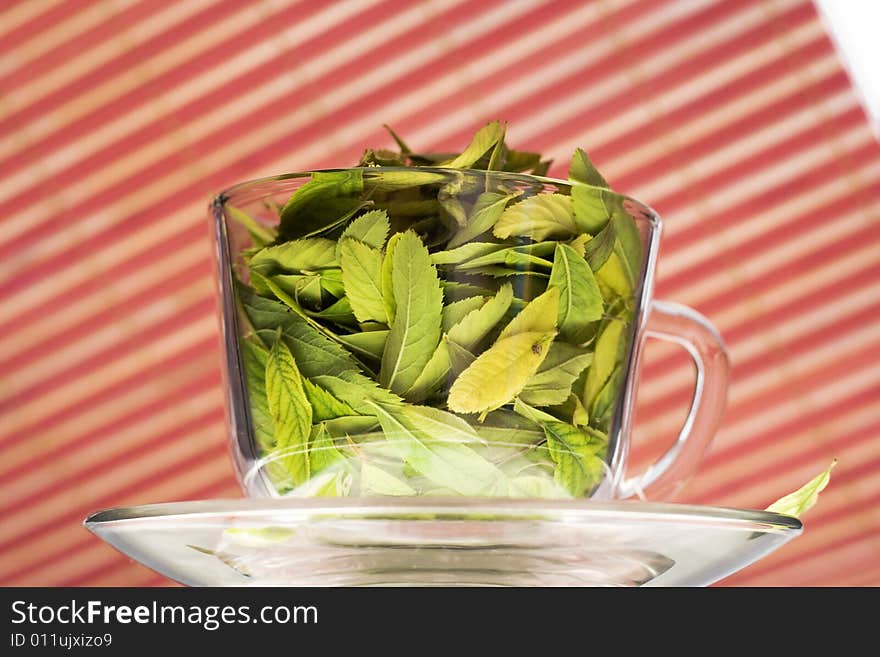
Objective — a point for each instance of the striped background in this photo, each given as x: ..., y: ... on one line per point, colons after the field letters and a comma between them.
x: 119, y: 118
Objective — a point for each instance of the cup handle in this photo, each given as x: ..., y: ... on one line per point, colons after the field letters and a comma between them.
x: 689, y: 329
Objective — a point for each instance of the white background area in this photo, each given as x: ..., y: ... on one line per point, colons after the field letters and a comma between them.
x: 855, y: 28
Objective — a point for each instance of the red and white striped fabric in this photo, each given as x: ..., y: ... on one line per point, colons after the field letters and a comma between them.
x: 119, y: 119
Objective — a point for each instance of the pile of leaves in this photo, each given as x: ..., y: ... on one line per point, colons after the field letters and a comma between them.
x: 439, y: 324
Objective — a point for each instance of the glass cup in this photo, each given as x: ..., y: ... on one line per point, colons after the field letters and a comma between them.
x: 536, y: 404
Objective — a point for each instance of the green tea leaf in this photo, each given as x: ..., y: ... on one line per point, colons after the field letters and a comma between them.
x: 591, y: 207
x: 254, y: 357
x: 485, y: 139
x: 314, y: 352
x: 509, y: 257
x: 376, y: 481
x: 338, y: 312
x: 455, y: 290
x: 304, y: 289
x: 371, y: 228
x: 485, y: 213
x: 607, y: 354
x: 464, y: 253
x: 404, y: 149
x: 537, y: 487
x: 260, y: 234
x: 460, y: 359
x: 448, y: 464
x: 531, y: 413
x: 628, y: 246
x: 539, y: 217
x: 352, y: 426
x: 582, y: 170
x: 580, y: 301
x: 433, y: 375
x: 539, y: 315
x: 361, y: 275
x: 499, y: 373
x: 476, y: 325
x: 290, y: 410
x: 356, y: 392
x: 384, y: 180
x: 454, y: 312
x: 579, y: 456
x: 322, y: 450
x: 305, y: 255
x: 552, y: 382
x: 496, y: 158
x: 331, y: 282
x: 613, y: 276
x: 435, y: 422
x: 324, y: 405
x: 605, y: 402
x: 365, y: 343
x: 387, y: 280
x: 803, y: 499
x: 321, y: 202
x: 518, y: 161
x: 599, y: 249
x: 415, y: 330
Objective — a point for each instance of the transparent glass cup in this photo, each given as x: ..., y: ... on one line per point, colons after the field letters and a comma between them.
x: 428, y: 439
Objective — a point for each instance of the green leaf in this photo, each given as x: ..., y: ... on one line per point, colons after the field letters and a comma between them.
x: 376, y: 481
x: 321, y: 203
x: 582, y: 170
x: 322, y: 450
x: 314, y: 352
x: 804, y: 498
x: 604, y: 403
x: 460, y: 359
x: 404, y: 149
x: 415, y: 330
x: 531, y: 413
x: 365, y: 343
x: 485, y: 139
x: 339, y: 312
x: 464, y: 253
x: 435, y: 422
x: 324, y: 405
x: 591, y: 207
x: 499, y: 373
x: 538, y: 217
x: 485, y: 213
x: 433, y: 375
x: 454, y: 291
x: 331, y: 282
x: 352, y: 426
x: 254, y: 357
x: 628, y: 246
x: 304, y: 290
x: 356, y: 390
x: 384, y: 180
x: 539, y: 315
x: 371, y: 228
x: 260, y: 235
x: 537, y: 487
x: 361, y: 275
x: 510, y: 257
x: 476, y: 325
x: 552, y: 382
x: 580, y: 301
x: 517, y: 161
x: 305, y: 255
x: 599, y: 249
x: 387, y: 280
x: 607, y: 354
x: 496, y: 159
x: 290, y: 411
x: 579, y: 456
x: 449, y: 464
x: 454, y: 312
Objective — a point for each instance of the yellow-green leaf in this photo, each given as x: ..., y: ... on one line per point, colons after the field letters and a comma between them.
x: 485, y: 138
x: 290, y: 410
x: 376, y: 481
x: 580, y: 301
x: 371, y: 228
x: 606, y: 356
x: 583, y: 170
x: 539, y: 315
x: 473, y: 327
x: 361, y: 275
x: 805, y: 497
x: 539, y: 217
x: 499, y: 373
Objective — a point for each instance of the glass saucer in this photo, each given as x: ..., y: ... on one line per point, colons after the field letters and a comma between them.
x: 418, y: 541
